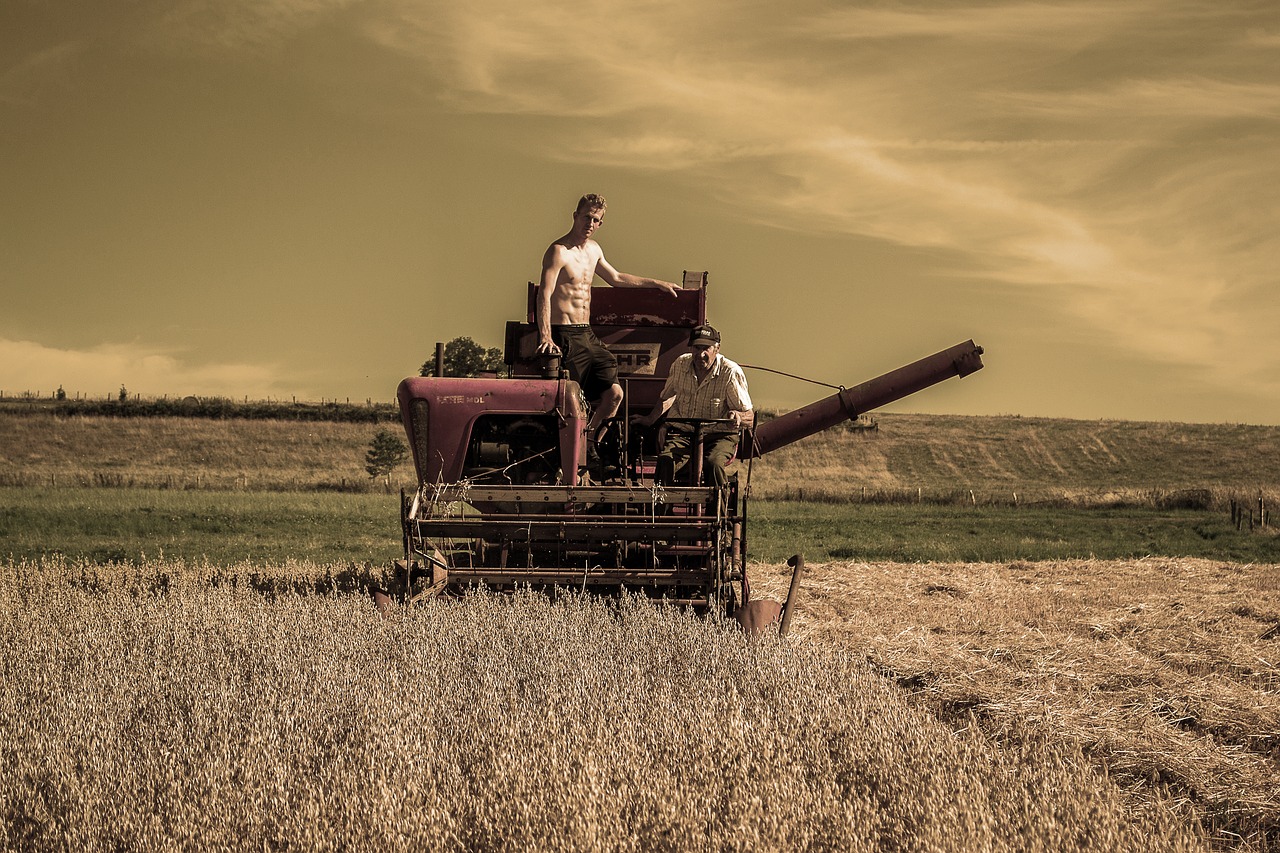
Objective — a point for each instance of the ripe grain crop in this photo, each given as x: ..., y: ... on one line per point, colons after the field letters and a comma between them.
x: 177, y: 705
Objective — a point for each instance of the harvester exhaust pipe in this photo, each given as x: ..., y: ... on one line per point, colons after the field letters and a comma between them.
x: 847, y: 404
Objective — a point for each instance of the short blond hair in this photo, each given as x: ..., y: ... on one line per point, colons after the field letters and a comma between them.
x: 591, y: 201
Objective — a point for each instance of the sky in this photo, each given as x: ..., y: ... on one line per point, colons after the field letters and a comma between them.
x: 298, y: 198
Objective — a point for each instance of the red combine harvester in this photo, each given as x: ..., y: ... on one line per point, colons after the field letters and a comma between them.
x: 504, y: 498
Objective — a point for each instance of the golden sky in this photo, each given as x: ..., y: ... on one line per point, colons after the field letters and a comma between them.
x: 299, y: 197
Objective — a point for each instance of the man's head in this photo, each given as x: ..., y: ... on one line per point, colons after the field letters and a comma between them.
x: 705, y: 341
x: 704, y: 335
x: 591, y: 200
x: 589, y: 214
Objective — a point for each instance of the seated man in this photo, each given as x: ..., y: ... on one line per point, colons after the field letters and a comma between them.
x: 705, y: 385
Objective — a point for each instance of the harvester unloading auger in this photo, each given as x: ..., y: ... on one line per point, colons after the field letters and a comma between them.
x: 504, y: 499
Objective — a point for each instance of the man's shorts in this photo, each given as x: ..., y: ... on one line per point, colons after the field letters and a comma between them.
x: 590, y: 364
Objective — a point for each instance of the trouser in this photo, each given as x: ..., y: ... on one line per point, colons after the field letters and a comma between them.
x: 589, y: 361
x: 718, y: 449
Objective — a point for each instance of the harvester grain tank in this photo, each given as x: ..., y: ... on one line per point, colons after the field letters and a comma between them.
x: 504, y: 498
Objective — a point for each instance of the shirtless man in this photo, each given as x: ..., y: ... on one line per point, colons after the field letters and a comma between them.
x: 564, y: 309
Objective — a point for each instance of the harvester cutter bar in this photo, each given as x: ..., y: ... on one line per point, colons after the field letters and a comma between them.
x: 569, y: 575
x: 569, y: 528
x: 569, y: 496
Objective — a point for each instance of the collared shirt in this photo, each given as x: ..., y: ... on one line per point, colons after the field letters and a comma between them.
x: 723, y: 390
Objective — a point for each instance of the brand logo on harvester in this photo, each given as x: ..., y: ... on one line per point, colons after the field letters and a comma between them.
x: 636, y: 359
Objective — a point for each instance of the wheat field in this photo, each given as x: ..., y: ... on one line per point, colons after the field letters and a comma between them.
x: 176, y: 706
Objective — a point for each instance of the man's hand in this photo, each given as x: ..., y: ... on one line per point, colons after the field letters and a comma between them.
x: 668, y: 287
x: 548, y: 348
x: 643, y: 420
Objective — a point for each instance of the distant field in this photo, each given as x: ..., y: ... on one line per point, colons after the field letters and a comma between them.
x: 989, y: 460
x: 1008, y: 460
x: 186, y: 453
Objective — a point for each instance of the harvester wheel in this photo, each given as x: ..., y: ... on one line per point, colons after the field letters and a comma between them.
x: 731, y: 605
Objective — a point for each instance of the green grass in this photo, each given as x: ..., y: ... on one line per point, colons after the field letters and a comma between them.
x: 931, y: 533
x: 229, y: 527
x: 221, y: 527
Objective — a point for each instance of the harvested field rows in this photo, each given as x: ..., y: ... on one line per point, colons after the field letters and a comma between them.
x: 1165, y: 672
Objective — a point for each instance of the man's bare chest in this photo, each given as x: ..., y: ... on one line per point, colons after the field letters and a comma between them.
x: 579, y: 268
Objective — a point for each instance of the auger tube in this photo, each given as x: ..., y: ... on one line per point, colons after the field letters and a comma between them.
x: 959, y: 360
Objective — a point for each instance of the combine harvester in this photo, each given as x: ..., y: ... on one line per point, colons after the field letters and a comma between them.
x: 504, y: 498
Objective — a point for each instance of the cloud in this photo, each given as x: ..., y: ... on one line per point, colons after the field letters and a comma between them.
x: 101, y: 370
x: 1193, y: 98
x: 24, y: 82
x: 1062, y: 23
x: 214, y: 26
x: 1113, y: 157
x: 1116, y: 158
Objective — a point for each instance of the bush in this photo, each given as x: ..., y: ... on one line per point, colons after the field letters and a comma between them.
x: 386, y: 451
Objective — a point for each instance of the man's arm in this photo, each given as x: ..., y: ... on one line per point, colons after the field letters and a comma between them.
x: 552, y: 263
x: 659, y: 409
x: 622, y: 279
x: 666, y: 397
x: 739, y: 400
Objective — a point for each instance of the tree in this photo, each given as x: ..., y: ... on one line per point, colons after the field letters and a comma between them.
x: 385, y: 452
x: 465, y: 357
